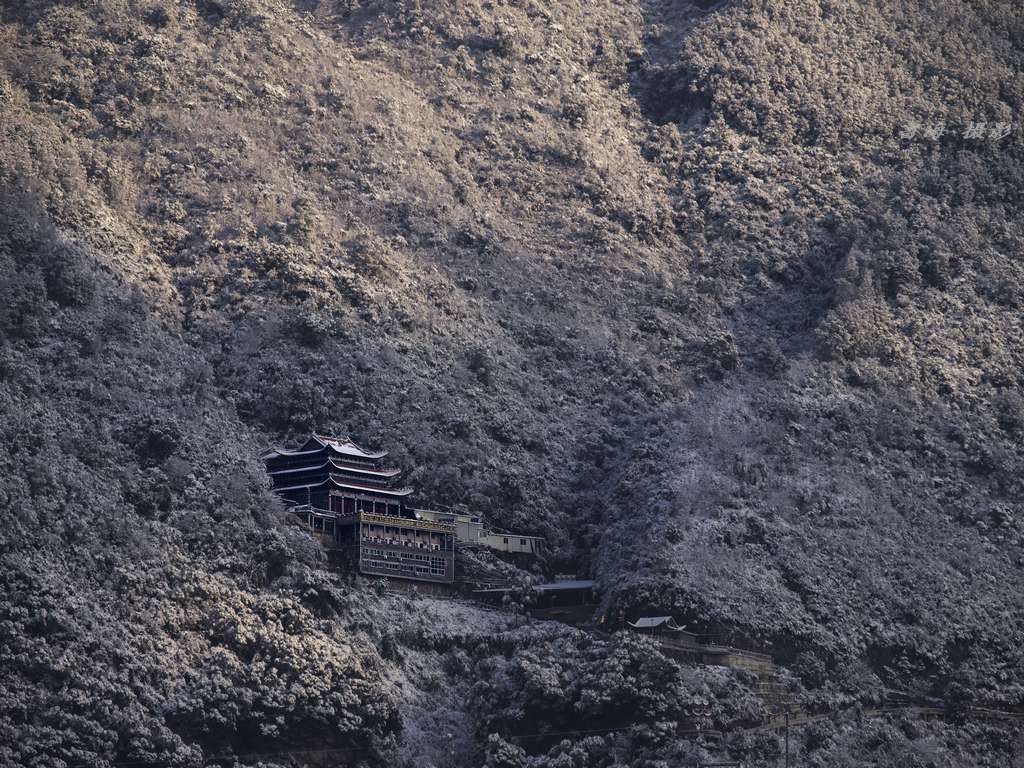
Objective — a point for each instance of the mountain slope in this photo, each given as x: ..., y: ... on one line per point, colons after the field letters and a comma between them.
x: 694, y: 290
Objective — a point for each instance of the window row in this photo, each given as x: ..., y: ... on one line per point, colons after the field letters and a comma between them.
x: 434, y: 569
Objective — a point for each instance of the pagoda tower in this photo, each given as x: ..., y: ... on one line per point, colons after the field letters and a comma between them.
x: 334, y: 475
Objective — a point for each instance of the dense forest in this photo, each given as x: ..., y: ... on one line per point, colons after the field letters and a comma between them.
x: 723, y: 299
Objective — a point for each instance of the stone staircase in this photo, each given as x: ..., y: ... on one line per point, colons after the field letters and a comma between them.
x: 773, y: 692
x: 761, y: 665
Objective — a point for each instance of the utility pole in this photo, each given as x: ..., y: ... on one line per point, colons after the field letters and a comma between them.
x: 787, y: 737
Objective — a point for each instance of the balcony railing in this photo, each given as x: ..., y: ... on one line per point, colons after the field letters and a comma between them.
x: 385, y: 541
x: 405, y: 522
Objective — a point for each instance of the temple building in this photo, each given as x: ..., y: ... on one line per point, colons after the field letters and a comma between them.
x: 352, y: 499
x: 336, y: 475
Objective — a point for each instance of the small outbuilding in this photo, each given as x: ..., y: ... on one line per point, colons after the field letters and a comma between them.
x: 656, y: 623
x: 666, y: 628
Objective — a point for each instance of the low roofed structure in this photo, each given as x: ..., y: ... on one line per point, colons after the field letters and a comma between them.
x: 667, y: 631
x: 578, y: 590
x: 656, y: 622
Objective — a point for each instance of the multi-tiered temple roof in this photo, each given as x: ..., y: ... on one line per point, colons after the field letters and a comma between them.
x: 319, y: 444
x: 326, y: 471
